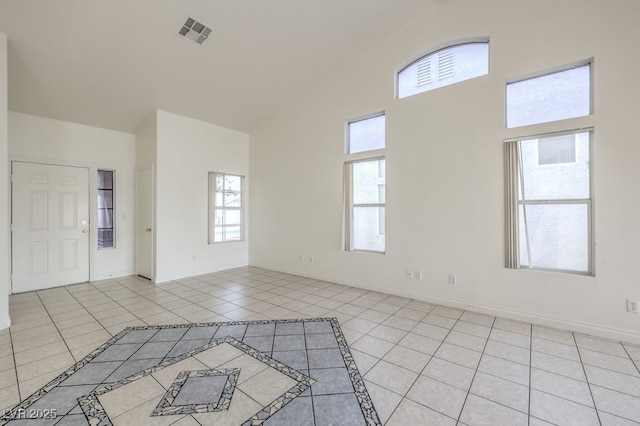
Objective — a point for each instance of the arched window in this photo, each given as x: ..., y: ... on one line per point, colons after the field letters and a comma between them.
x: 443, y: 67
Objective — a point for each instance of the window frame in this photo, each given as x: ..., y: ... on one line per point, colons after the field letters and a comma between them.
x: 347, y: 137
x: 436, y: 50
x: 213, y: 191
x: 349, y: 243
x: 113, y: 208
x: 513, y: 238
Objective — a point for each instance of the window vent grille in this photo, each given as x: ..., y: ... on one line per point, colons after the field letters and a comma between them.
x: 424, y: 72
x: 445, y: 64
x: 195, y: 31
x: 440, y: 68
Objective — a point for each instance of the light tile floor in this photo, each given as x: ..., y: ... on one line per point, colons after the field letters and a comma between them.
x: 422, y: 363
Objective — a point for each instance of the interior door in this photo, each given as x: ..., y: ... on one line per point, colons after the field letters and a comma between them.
x: 50, y: 226
x: 144, y: 221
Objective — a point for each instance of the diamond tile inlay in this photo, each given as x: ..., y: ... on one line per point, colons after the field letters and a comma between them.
x: 199, y: 391
x: 211, y: 370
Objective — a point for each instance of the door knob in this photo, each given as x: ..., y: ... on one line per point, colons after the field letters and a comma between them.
x: 84, y: 231
x: 148, y: 230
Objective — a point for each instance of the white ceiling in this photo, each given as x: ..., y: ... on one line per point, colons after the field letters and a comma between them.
x: 111, y: 63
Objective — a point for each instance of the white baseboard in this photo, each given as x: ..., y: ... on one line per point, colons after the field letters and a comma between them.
x: 629, y: 336
x: 5, y: 323
x: 163, y: 279
x: 111, y: 275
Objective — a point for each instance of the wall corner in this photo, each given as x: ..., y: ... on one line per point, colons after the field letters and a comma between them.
x: 5, y: 249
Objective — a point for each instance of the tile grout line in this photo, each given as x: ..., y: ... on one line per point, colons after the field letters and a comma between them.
x: 204, y: 294
x: 574, y: 402
x: 196, y: 420
x: 58, y: 331
x: 425, y: 366
x: 15, y: 365
x: 306, y: 351
x: 585, y: 382
x: 462, y: 347
x: 595, y: 406
x: 460, y: 365
x: 136, y: 291
x: 89, y: 312
x: 382, y: 358
x: 258, y: 313
x: 586, y: 348
x: 116, y: 302
x: 561, y: 375
x: 155, y: 303
x: 164, y: 358
x: 125, y: 308
x: 131, y: 409
x: 637, y: 365
x: 560, y: 358
x: 475, y: 373
x: 129, y: 357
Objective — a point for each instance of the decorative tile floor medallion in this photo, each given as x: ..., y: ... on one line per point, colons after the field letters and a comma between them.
x: 277, y: 372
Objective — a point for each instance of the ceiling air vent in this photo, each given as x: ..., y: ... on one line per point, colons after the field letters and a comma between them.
x: 195, y: 31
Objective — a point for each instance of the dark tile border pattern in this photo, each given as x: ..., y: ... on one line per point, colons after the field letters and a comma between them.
x: 361, y: 393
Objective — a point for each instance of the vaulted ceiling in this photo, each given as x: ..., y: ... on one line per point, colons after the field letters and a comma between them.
x: 110, y: 63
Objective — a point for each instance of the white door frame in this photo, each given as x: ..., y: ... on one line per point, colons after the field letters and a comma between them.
x: 93, y: 194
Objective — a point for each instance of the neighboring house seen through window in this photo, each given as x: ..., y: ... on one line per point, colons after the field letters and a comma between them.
x: 552, y: 208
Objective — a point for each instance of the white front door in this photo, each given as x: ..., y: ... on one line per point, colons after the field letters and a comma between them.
x: 50, y: 226
x: 144, y: 220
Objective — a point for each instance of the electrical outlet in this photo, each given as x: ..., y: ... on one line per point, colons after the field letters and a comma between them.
x: 633, y: 306
x: 417, y: 275
x: 409, y: 274
x: 453, y: 280
x: 302, y: 258
x: 311, y: 259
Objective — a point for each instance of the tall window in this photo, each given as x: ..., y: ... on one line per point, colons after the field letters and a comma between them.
x: 365, y: 187
x: 548, y: 178
x: 106, y: 226
x: 366, y: 206
x: 443, y: 67
x: 550, y: 216
x: 226, y: 208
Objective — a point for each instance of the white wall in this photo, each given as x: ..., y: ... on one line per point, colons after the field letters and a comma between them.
x: 444, y: 166
x: 39, y: 139
x: 146, y: 143
x: 187, y: 150
x: 5, y: 322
